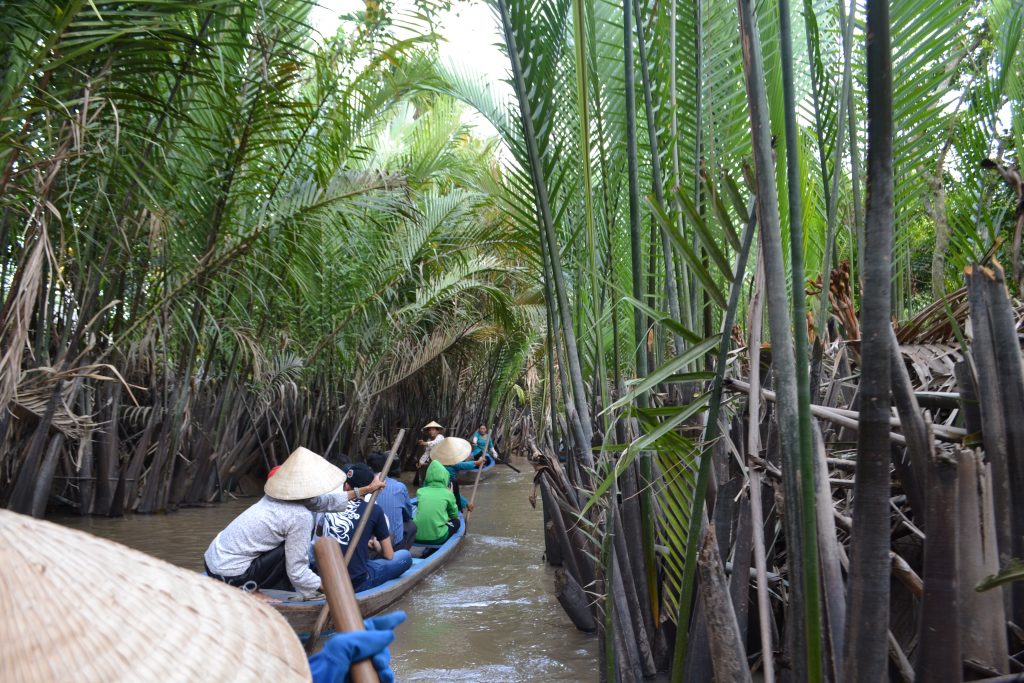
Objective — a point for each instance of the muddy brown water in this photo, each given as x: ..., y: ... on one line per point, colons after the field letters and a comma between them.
x: 489, y: 615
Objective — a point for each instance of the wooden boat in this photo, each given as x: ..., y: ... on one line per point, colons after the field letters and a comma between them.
x: 468, y: 477
x: 301, y: 615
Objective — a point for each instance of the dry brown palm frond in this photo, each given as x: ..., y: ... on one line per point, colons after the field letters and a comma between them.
x: 33, y: 395
x: 37, y: 385
x: 932, y: 365
x: 933, y: 325
x: 17, y: 315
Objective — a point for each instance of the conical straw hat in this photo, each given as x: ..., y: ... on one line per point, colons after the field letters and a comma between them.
x: 75, y: 607
x: 451, y: 451
x: 303, y: 475
x: 432, y: 424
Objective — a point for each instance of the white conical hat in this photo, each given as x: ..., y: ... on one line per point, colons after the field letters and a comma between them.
x: 304, y: 475
x: 432, y: 424
x: 75, y: 607
x: 451, y: 451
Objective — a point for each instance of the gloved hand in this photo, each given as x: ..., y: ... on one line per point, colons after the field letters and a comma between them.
x: 332, y: 663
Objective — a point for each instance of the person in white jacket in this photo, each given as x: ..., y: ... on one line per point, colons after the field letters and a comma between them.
x: 434, y: 437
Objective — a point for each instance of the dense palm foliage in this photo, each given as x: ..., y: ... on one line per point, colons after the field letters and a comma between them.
x: 648, y: 131
x: 221, y: 238
x: 222, y: 235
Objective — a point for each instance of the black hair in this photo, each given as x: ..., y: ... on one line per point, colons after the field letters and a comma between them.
x: 378, y: 459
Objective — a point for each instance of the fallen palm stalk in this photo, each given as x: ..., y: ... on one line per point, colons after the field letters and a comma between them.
x: 848, y: 418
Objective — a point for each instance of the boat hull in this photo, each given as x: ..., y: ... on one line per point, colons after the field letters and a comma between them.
x: 468, y: 477
x: 302, y: 615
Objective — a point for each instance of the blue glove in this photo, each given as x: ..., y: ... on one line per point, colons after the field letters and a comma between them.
x: 332, y: 663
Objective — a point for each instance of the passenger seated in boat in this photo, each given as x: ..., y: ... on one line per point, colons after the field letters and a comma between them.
x: 437, y: 514
x: 267, y: 546
x: 394, y: 501
x: 364, y: 572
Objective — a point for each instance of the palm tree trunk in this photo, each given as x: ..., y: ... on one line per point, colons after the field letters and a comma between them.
x: 867, y: 616
x: 599, y: 388
x: 657, y: 180
x: 647, y: 582
x: 549, y: 240
x: 697, y: 513
x: 756, y: 312
x: 809, y: 527
x: 681, y: 283
x: 636, y: 250
x: 698, y: 147
x: 807, y: 662
x: 831, y: 218
x: 851, y: 115
x: 727, y: 652
x: 939, y: 633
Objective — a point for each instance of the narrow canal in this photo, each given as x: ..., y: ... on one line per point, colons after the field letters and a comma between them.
x: 488, y: 615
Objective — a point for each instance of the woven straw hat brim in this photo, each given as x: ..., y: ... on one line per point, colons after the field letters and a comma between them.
x: 304, y: 475
x: 75, y: 607
x: 432, y: 424
x: 451, y: 451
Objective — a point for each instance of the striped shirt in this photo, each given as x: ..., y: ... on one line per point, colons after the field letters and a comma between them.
x: 393, y: 499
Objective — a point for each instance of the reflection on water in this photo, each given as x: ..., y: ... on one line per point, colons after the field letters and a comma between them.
x: 488, y: 615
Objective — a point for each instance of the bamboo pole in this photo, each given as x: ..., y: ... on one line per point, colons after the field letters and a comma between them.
x: 341, y: 599
x: 350, y: 551
x: 472, y: 496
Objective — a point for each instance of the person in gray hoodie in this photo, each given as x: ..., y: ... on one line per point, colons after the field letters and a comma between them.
x: 267, y: 546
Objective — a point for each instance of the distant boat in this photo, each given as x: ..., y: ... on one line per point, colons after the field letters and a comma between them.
x: 301, y: 615
x: 468, y: 477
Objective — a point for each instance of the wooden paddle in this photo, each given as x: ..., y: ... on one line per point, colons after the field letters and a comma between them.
x: 341, y: 598
x: 472, y: 496
x: 321, y: 620
x: 498, y: 460
x: 509, y: 465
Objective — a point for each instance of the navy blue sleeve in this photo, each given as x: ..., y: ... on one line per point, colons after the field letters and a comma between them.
x: 379, y: 524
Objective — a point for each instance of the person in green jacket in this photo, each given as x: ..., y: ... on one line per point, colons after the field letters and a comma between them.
x: 437, y: 515
x: 452, y: 453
